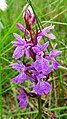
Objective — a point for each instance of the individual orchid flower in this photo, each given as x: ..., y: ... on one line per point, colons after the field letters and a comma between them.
x: 38, y: 49
x: 22, y: 47
x: 42, y: 87
x: 45, y: 31
x: 42, y: 65
x: 52, y: 56
x: 23, y: 99
x: 21, y: 69
x: 23, y: 72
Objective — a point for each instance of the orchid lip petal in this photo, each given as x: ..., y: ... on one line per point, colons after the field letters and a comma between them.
x: 42, y: 87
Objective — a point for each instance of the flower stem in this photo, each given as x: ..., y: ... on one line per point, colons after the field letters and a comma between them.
x: 39, y: 107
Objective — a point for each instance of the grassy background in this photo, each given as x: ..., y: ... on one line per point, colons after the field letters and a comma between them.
x: 50, y: 11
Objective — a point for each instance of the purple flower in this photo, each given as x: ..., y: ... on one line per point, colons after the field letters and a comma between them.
x: 55, y: 64
x: 22, y: 47
x: 21, y: 69
x: 42, y: 65
x: 23, y: 99
x: 52, y: 56
x: 45, y: 31
x: 42, y: 87
x: 55, y: 52
x: 38, y: 49
x: 38, y: 75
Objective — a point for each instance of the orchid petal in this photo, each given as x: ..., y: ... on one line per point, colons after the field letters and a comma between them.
x: 22, y: 28
x: 18, y: 53
x: 55, y: 64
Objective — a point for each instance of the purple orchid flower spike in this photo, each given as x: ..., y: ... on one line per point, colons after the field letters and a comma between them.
x: 21, y: 69
x: 38, y: 49
x: 23, y: 99
x: 22, y: 47
x: 52, y: 56
x: 45, y: 31
x: 42, y: 87
x: 40, y: 65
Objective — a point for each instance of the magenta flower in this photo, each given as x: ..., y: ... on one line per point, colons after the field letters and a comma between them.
x: 23, y: 99
x: 52, y: 56
x: 21, y: 69
x: 45, y: 31
x: 55, y: 52
x: 42, y: 65
x: 38, y: 75
x: 42, y: 87
x: 22, y: 47
x: 38, y: 49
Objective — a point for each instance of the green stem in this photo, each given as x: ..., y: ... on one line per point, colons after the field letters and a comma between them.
x: 39, y: 107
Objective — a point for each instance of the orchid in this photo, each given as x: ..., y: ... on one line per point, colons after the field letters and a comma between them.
x: 45, y: 31
x: 42, y: 65
x: 38, y: 49
x: 42, y: 87
x: 21, y: 69
x: 52, y: 56
x: 23, y: 99
x: 38, y: 70
x: 22, y: 47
